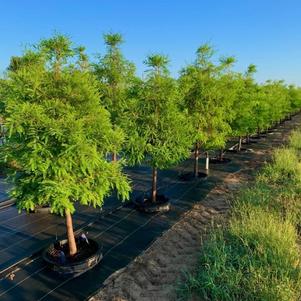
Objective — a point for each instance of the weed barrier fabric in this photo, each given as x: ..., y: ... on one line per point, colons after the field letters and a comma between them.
x: 141, y: 229
x: 124, y: 234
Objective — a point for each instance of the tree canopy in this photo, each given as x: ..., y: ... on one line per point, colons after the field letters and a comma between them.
x: 58, y: 132
x: 160, y: 128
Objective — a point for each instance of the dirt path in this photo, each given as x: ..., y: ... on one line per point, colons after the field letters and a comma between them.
x: 153, y: 275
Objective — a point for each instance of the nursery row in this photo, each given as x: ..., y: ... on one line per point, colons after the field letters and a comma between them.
x: 71, y: 124
x: 256, y: 256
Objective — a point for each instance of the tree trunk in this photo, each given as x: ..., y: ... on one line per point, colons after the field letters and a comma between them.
x: 239, y: 143
x: 207, y: 161
x: 154, y: 185
x: 221, y: 154
x: 258, y: 132
x: 114, y: 157
x: 70, y: 233
x: 196, y: 159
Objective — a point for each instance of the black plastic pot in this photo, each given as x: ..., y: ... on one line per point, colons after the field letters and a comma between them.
x: 235, y: 150
x: 190, y: 176
x: 259, y: 137
x: 72, y: 267
x: 41, y: 209
x: 218, y: 161
x: 251, y: 141
x: 144, y: 204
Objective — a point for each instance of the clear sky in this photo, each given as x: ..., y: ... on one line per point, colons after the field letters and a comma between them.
x: 264, y: 32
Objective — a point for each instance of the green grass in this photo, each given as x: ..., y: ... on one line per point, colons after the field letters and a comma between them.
x: 284, y: 168
x: 282, y: 200
x: 295, y: 140
x: 256, y: 256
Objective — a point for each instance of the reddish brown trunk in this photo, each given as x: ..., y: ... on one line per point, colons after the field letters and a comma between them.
x: 239, y: 143
x: 221, y: 154
x: 196, y: 159
x: 70, y: 233
x: 154, y: 185
x: 114, y: 157
x: 248, y: 138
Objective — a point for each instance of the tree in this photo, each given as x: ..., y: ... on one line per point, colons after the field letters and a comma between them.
x: 242, y: 124
x: 294, y: 97
x: 115, y: 75
x: 203, y: 86
x: 59, y: 135
x: 276, y: 97
x: 159, y: 131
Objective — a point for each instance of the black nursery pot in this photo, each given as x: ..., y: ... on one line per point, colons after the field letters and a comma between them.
x: 144, y: 204
x: 251, y: 141
x: 190, y: 176
x: 236, y: 151
x: 41, y: 209
x: 219, y: 161
x: 88, y: 256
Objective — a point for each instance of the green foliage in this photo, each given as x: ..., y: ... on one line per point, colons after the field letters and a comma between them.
x: 271, y: 104
x: 258, y: 107
x: 294, y: 98
x: 83, y: 60
x: 56, y: 50
x: 275, y: 94
x: 115, y: 75
x: 158, y: 130
x: 28, y: 59
x: 158, y: 63
x: 116, y: 78
x: 243, y: 122
x: 113, y: 40
x: 58, y: 133
x: 208, y: 96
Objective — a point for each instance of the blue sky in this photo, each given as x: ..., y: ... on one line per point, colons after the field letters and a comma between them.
x: 266, y: 33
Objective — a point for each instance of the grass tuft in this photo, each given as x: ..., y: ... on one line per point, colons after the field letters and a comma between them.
x: 255, y: 258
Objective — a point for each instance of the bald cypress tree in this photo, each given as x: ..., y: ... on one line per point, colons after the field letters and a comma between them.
x: 59, y: 135
x: 116, y: 75
x: 159, y: 130
x: 243, y: 122
x: 204, y: 96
